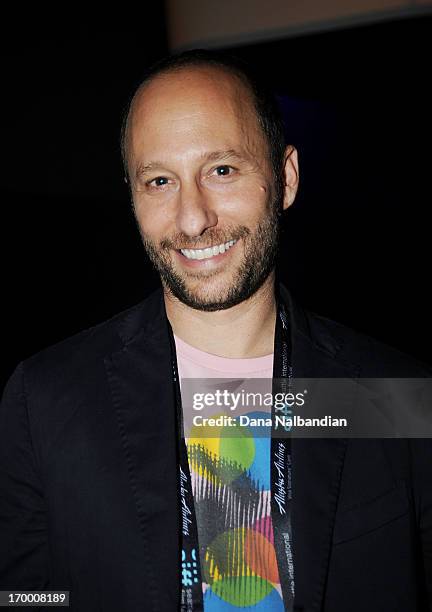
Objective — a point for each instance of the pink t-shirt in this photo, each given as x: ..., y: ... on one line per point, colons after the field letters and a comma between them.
x: 231, y: 489
x: 193, y: 363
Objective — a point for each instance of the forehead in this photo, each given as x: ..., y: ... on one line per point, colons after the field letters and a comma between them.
x: 191, y: 107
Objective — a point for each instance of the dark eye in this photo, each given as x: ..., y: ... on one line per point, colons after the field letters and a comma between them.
x: 159, y: 181
x: 223, y: 170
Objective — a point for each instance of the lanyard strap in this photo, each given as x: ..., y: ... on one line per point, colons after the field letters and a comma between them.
x: 281, y: 464
x: 191, y: 599
x: 281, y: 492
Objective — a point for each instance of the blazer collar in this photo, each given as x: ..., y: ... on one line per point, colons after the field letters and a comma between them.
x: 140, y: 378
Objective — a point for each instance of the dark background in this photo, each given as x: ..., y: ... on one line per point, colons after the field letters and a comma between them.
x: 356, y: 245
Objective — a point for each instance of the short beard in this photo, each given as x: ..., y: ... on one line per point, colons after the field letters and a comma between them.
x: 258, y: 262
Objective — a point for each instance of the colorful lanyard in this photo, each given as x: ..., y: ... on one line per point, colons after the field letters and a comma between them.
x: 281, y: 491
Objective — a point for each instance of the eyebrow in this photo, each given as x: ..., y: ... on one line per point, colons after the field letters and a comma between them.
x: 212, y: 156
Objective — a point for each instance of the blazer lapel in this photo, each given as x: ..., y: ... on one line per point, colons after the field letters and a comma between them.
x: 140, y: 379
x: 317, y: 469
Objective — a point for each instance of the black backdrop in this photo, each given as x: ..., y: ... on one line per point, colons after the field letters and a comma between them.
x: 356, y: 243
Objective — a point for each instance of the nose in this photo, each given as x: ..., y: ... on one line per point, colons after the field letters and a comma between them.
x: 195, y: 213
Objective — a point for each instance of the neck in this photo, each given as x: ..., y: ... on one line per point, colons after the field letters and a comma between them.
x: 243, y: 331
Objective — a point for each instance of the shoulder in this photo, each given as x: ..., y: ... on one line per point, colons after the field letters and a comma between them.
x: 371, y: 356
x: 365, y: 355
x: 86, y: 345
x: 78, y: 357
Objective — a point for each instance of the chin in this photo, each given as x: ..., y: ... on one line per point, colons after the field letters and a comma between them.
x: 210, y: 297
x: 206, y: 300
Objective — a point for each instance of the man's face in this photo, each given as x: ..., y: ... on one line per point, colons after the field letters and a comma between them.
x: 203, y: 187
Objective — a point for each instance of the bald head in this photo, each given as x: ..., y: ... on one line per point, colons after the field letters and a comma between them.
x: 193, y: 103
x: 211, y: 70
x: 173, y: 98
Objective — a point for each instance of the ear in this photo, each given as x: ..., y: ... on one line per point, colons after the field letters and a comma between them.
x: 291, y: 176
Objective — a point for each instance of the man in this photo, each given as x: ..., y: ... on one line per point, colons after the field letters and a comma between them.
x: 100, y: 494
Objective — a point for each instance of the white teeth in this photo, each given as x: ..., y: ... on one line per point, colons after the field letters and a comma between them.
x: 207, y: 252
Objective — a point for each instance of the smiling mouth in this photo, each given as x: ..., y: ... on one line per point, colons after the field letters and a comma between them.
x: 207, y: 252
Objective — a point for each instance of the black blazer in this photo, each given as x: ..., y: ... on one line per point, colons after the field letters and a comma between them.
x: 88, y: 477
